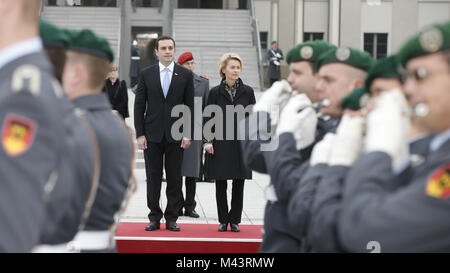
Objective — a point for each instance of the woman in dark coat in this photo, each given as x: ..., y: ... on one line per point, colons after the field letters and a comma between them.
x: 224, y: 159
x: 117, y: 93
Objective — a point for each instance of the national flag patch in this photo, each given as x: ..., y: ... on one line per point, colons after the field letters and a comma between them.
x: 17, y: 134
x: 438, y: 185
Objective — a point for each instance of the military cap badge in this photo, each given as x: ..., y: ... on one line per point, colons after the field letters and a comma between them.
x: 431, y: 40
x: 343, y: 53
x: 306, y: 52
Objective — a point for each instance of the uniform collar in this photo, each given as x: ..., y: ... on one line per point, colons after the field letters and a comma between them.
x: 20, y: 49
x: 170, y: 67
x: 439, y: 140
x: 93, y: 102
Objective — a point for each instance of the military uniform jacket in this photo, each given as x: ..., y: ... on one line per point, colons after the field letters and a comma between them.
x: 287, y: 167
x: 32, y: 150
x: 413, y: 218
x: 192, y: 156
x: 115, y: 153
x: 81, y: 153
x: 274, y: 71
x: 315, y: 206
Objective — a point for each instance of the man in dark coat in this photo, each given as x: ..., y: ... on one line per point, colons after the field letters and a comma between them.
x: 274, y: 56
x: 161, y: 88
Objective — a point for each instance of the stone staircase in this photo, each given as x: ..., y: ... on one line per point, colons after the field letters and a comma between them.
x: 105, y: 22
x: 210, y: 33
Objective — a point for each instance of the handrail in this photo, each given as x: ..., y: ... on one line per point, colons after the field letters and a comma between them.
x: 257, y: 42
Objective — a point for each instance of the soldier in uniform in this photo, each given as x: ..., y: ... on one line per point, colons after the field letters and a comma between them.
x: 274, y: 56
x: 339, y: 72
x: 373, y: 212
x: 332, y: 154
x: 278, y: 237
x: 192, y: 157
x: 34, y: 135
x: 85, y: 161
x: 88, y: 62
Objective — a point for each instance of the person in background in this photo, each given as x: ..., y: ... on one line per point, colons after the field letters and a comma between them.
x: 274, y: 56
x: 192, y: 157
x: 117, y: 93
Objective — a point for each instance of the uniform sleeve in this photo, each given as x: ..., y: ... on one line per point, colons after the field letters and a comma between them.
x: 251, y: 130
x: 327, y: 203
x: 31, y: 144
x: 299, y: 206
x: 140, y: 104
x: 399, y: 220
x: 285, y: 166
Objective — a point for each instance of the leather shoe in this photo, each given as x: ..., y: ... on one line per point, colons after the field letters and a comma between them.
x: 222, y: 227
x: 180, y: 212
x: 191, y: 213
x: 152, y: 226
x: 234, y: 228
x: 172, y: 226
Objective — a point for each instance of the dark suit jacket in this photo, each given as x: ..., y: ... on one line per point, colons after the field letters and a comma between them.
x: 157, y: 121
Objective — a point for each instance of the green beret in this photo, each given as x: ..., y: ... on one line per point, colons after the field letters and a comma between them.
x: 432, y: 39
x: 383, y: 68
x: 86, y: 41
x: 52, y: 36
x: 356, y: 100
x: 308, y: 51
x: 346, y: 55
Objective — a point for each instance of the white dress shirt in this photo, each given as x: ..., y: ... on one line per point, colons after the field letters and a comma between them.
x: 162, y: 73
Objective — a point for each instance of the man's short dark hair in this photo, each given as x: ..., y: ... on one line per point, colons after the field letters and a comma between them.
x: 163, y: 38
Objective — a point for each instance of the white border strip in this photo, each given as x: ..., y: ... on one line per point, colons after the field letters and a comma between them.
x: 236, y: 240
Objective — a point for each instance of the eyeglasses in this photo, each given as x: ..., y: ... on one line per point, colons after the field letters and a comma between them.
x: 420, y: 74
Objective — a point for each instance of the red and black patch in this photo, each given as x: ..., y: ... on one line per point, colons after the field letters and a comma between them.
x: 17, y: 134
x: 438, y: 185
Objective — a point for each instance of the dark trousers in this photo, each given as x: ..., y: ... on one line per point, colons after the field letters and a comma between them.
x: 173, y: 154
x: 237, y: 199
x: 191, y: 185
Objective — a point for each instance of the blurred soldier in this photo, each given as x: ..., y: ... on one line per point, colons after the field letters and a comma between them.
x: 339, y: 72
x: 274, y: 56
x: 278, y: 237
x: 192, y: 157
x: 86, y: 161
x: 339, y: 152
x: 412, y: 218
x: 33, y: 117
x: 88, y: 62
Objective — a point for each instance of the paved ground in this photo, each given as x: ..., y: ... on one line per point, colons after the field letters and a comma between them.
x: 254, y: 200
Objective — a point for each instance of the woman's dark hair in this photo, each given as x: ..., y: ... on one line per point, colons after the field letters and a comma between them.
x: 163, y: 38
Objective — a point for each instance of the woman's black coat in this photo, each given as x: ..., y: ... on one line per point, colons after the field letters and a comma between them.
x: 118, y: 96
x: 227, y: 161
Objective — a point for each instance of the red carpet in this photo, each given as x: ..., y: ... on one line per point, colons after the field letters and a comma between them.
x: 193, y: 238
